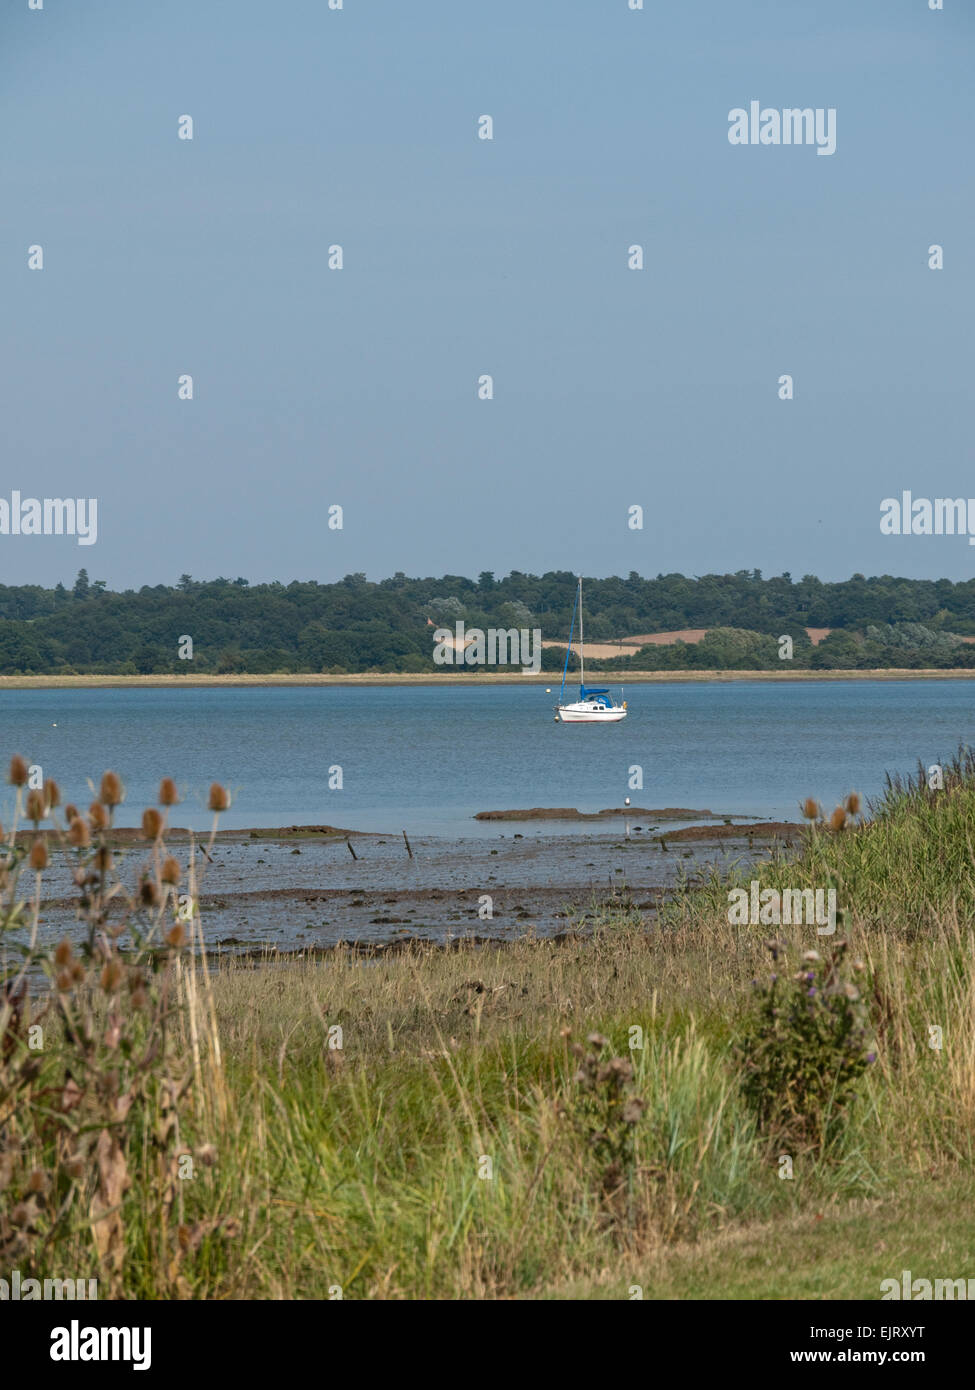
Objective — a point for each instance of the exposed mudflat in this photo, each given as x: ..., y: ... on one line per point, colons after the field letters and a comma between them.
x: 300, y: 888
x: 788, y: 831
x: 570, y: 813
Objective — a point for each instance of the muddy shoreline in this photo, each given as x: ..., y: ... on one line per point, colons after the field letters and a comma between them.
x: 299, y: 889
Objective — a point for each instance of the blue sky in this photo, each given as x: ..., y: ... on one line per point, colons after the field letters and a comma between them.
x: 358, y: 387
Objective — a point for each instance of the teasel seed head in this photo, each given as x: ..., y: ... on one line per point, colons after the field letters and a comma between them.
x: 167, y: 792
x: 103, y: 859
x: 98, y: 816
x: 151, y: 823
x: 38, y: 856
x: 70, y: 812
x: 52, y: 794
x: 111, y: 791
x: 18, y: 771
x: 219, y: 797
x: 810, y: 809
x: 176, y: 935
x: 838, y: 819
x: 170, y: 870
x: 79, y: 833
x: 853, y: 803
x: 63, y: 952
x: 148, y: 893
x: 35, y: 809
x: 111, y: 976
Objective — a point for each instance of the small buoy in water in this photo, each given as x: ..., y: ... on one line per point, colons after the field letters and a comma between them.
x: 54, y: 726
x: 548, y: 690
x: 627, y: 802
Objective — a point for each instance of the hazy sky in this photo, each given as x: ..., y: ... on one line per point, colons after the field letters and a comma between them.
x: 463, y: 256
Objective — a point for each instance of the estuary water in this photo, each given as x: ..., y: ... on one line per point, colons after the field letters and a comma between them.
x: 427, y: 758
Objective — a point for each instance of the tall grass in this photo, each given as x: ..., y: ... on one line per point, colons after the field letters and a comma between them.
x: 487, y: 1121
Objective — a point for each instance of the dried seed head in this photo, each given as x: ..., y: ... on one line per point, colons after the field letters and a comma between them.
x: 98, y: 816
x: 52, y: 793
x: 810, y: 809
x: 63, y: 954
x: 151, y: 823
x: 111, y: 976
x: 37, y: 1181
x: 139, y: 998
x: 63, y: 981
x: 170, y: 870
x: 18, y: 771
x: 103, y: 859
x: 111, y: 792
x: 77, y: 972
x: 219, y: 797
x: 167, y: 792
x: 838, y: 819
x: 35, y: 809
x: 176, y: 935
x: 148, y: 893
x: 853, y: 804
x: 38, y: 856
x: 78, y: 833
x: 70, y: 812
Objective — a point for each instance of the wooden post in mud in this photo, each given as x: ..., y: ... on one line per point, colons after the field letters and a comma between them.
x: 408, y: 849
x: 348, y: 846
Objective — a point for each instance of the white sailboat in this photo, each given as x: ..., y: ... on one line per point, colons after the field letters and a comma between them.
x: 594, y: 705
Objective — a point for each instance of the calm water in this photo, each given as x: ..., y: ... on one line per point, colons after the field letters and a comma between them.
x: 427, y: 758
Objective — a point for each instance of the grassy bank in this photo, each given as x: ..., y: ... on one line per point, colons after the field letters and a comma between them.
x: 543, y: 1119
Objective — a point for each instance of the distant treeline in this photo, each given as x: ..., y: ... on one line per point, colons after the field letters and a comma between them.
x: 356, y: 625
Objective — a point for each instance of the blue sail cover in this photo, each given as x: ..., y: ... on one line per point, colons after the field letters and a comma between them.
x: 585, y: 691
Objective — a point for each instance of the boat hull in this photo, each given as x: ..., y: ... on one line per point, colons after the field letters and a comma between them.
x: 589, y: 714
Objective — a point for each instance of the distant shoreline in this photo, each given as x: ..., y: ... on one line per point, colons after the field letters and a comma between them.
x: 448, y: 678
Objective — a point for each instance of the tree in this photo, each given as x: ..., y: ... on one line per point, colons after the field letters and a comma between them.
x: 80, y: 589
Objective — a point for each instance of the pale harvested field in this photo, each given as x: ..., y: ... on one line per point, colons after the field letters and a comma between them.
x: 691, y: 635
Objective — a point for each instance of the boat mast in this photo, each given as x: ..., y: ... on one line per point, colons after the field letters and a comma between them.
x: 582, y: 650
